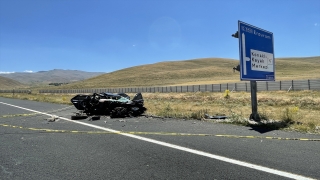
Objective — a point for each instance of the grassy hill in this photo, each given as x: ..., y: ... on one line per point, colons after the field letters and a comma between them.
x: 298, y: 68
x: 196, y: 71
x: 6, y: 83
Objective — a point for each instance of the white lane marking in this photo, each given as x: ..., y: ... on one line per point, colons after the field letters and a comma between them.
x: 193, y: 151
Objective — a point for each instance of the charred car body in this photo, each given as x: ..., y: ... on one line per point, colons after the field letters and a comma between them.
x: 115, y: 105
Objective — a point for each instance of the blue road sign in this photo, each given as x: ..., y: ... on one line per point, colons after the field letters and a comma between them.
x: 256, y: 53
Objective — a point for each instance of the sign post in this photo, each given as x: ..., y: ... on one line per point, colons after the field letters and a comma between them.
x: 254, y: 103
x: 256, y: 59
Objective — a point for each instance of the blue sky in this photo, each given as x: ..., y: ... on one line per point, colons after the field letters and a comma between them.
x: 108, y: 35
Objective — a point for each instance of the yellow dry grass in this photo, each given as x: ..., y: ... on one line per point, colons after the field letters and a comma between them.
x: 6, y: 83
x: 238, y: 106
x: 194, y: 72
x: 271, y: 105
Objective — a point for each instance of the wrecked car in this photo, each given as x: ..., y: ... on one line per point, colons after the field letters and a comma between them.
x: 114, y: 105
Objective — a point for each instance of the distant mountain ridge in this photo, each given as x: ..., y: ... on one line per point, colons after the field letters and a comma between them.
x: 51, y: 76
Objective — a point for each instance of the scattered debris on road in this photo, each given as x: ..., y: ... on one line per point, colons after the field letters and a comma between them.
x: 52, y: 118
x: 206, y: 116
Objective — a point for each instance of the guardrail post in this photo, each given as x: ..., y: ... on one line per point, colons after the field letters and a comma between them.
x: 309, y: 84
x: 292, y: 85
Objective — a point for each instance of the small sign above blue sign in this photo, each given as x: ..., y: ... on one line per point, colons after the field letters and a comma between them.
x: 256, y: 53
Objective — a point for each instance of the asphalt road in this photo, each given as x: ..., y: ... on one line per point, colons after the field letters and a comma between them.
x: 152, y: 148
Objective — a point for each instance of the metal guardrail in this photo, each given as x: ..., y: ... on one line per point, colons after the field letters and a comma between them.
x: 293, y: 85
x: 15, y: 91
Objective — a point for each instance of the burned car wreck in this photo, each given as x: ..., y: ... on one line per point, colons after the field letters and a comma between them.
x: 107, y: 104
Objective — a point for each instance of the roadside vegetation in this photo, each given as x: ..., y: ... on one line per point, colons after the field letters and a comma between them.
x: 295, y: 110
x: 191, y: 72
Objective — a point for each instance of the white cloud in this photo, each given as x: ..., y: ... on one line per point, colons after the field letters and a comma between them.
x: 7, y: 72
x: 2, y: 72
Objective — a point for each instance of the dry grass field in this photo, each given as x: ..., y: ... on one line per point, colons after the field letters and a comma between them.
x: 189, y: 72
x: 298, y: 110
x: 197, y: 71
x: 295, y: 110
x: 6, y: 83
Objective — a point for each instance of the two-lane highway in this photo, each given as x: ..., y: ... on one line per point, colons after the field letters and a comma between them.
x: 144, y: 148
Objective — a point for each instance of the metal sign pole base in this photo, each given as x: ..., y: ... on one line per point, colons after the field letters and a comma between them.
x: 255, y: 117
x: 254, y: 103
